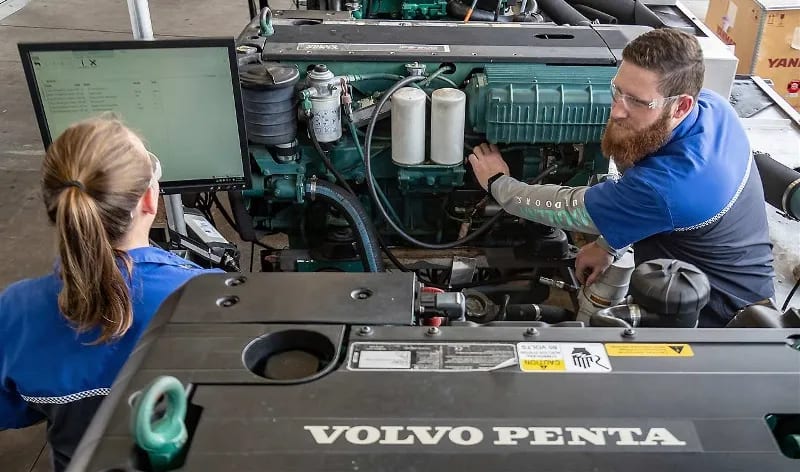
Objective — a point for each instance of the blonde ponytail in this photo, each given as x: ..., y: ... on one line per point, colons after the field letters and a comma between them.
x: 92, y: 178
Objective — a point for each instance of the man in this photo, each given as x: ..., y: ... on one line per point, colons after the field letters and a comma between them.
x: 689, y: 188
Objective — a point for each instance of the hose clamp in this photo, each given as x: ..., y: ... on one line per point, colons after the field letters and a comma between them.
x: 785, y: 199
x: 312, y: 187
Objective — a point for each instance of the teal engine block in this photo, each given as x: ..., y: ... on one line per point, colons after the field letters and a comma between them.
x: 312, y: 108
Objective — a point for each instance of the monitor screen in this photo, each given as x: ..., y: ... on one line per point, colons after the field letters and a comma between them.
x: 182, y: 97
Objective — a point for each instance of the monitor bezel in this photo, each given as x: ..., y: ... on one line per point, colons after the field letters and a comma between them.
x: 166, y: 187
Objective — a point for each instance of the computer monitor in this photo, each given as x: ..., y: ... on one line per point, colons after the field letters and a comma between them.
x: 182, y: 96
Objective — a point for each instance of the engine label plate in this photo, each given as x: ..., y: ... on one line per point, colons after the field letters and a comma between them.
x: 563, y: 357
x: 430, y: 357
x: 403, y: 48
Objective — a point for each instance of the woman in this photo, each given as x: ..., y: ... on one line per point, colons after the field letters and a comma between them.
x: 65, y: 336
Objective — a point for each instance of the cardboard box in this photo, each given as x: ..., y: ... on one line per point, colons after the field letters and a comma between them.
x: 765, y: 36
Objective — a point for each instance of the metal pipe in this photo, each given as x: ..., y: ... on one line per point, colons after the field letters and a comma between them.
x: 139, y: 11
x: 142, y: 28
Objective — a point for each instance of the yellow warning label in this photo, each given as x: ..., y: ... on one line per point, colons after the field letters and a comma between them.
x: 649, y: 350
x: 531, y: 365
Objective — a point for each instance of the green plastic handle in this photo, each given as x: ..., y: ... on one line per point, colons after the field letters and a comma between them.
x: 164, y: 438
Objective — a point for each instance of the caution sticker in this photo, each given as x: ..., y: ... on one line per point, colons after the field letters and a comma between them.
x: 563, y: 357
x: 649, y: 350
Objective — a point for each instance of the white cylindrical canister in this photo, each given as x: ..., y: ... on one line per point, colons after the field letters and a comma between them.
x: 448, y: 109
x: 327, y: 118
x: 408, y: 126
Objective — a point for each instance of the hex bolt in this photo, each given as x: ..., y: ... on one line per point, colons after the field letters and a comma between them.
x: 433, y: 331
x: 531, y: 332
x: 365, y: 331
x: 629, y: 332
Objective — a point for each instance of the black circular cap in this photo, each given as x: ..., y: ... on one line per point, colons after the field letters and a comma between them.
x: 669, y: 287
x: 268, y: 75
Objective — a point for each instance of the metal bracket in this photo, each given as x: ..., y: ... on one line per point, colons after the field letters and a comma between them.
x: 462, y: 270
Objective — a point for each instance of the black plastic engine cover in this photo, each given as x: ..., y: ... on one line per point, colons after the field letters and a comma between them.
x: 380, y: 395
x: 428, y: 41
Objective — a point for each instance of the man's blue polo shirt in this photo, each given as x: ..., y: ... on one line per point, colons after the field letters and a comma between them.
x: 698, y: 199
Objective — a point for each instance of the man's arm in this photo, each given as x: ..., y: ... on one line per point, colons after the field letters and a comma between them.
x: 551, y: 205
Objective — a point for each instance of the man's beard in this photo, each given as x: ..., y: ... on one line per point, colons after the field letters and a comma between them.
x: 627, y: 145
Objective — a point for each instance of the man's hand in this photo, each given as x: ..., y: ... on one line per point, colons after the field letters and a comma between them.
x: 592, y: 261
x: 486, y: 161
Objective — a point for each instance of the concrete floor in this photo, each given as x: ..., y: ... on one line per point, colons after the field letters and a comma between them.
x: 28, y: 248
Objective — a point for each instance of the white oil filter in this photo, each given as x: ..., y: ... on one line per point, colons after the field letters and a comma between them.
x: 327, y: 116
x: 448, y: 109
x: 408, y: 126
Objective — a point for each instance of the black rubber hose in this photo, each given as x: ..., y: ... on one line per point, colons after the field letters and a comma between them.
x: 791, y: 295
x: 528, y: 18
x: 598, y: 15
x: 327, y: 162
x: 634, y: 315
x: 532, y: 312
x: 357, y: 218
x: 374, y: 194
x: 628, y: 12
x: 563, y: 13
x: 781, y: 184
x: 458, y: 10
x: 498, y: 281
x: 343, y: 182
x: 759, y: 316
